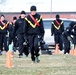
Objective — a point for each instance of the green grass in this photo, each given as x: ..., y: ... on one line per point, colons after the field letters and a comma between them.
x: 49, y: 65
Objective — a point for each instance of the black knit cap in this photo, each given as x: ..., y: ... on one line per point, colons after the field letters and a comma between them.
x: 33, y: 8
x: 57, y: 16
x: 14, y: 18
x: 23, y: 12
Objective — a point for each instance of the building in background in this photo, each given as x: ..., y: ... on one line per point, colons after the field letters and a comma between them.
x: 48, y: 9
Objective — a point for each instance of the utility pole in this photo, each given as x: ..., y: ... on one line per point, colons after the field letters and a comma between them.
x: 51, y: 10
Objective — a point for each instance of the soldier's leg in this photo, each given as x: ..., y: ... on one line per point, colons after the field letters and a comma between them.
x: 32, y: 54
x: 60, y: 43
x: 36, y: 48
x: 15, y: 41
x: 75, y: 41
x: 20, y: 40
x: 26, y: 51
x: 65, y: 48
x: 5, y: 42
x: 9, y: 40
x: 1, y: 44
x: 66, y: 45
x: 68, y: 50
x: 56, y: 39
x: 31, y: 45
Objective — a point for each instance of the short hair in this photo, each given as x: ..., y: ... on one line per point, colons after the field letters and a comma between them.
x: 2, y: 16
x: 57, y: 16
x: 14, y: 18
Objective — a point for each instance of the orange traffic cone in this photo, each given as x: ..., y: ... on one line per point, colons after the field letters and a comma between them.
x: 56, y: 49
x: 71, y: 52
x: 72, y: 48
x: 8, y: 60
x: 75, y: 52
x: 11, y: 53
x: 11, y: 49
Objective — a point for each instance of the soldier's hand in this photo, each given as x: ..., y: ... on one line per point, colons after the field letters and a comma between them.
x: 72, y: 36
x: 40, y: 37
x: 69, y: 38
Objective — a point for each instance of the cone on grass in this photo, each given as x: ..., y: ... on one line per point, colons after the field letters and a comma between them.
x: 75, y: 52
x: 71, y: 52
x: 57, y: 49
x: 11, y: 49
x: 8, y: 60
x: 72, y: 48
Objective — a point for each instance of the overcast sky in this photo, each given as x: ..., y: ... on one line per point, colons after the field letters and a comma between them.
x: 63, y: 5
x: 42, y: 5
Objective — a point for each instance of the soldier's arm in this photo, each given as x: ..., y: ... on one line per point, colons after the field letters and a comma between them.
x: 15, y: 28
x: 42, y: 28
x: 62, y: 26
x: 52, y: 29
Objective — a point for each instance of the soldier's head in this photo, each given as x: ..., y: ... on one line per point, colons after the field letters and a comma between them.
x: 57, y: 16
x: 23, y: 14
x: 68, y: 29
x: 2, y: 17
x: 14, y: 19
x: 33, y: 10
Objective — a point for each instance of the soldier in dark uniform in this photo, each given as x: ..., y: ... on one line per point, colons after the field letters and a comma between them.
x: 35, y: 30
x: 57, y: 29
x: 20, y: 25
x: 69, y: 37
x: 73, y: 30
x: 13, y: 38
x: 3, y: 33
x: 66, y: 40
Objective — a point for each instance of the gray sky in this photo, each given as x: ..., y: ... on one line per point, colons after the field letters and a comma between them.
x: 42, y: 5
x: 63, y: 5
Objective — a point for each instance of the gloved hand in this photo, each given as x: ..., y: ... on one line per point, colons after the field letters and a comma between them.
x: 25, y: 39
x: 40, y: 37
x: 25, y: 42
x: 69, y: 38
x: 72, y: 36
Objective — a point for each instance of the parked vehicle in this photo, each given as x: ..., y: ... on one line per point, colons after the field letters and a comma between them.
x: 49, y: 40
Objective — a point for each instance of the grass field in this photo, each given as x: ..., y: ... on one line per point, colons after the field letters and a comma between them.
x: 49, y: 65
